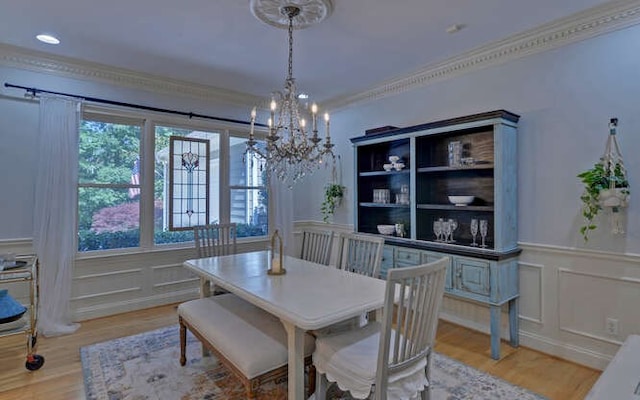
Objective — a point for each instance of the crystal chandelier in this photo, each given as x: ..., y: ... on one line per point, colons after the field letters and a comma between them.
x: 293, y: 149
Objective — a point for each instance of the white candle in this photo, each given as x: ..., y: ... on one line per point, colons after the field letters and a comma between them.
x: 326, y: 120
x: 275, y: 265
x: 253, y: 119
x: 314, y: 116
x: 273, y: 113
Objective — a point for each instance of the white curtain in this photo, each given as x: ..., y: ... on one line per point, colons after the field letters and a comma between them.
x: 281, y: 196
x: 56, y: 193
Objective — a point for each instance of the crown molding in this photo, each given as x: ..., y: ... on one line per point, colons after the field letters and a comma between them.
x: 611, y: 16
x: 607, y: 17
x: 18, y: 57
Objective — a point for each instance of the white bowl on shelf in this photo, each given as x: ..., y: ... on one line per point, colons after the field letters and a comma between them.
x: 387, y: 167
x: 387, y: 229
x: 461, y: 200
x: 398, y: 166
x: 394, y: 159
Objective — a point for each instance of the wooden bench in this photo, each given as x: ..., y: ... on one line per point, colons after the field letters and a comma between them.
x: 621, y: 379
x: 247, y: 340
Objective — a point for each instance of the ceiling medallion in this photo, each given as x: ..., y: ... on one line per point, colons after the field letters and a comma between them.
x: 272, y: 12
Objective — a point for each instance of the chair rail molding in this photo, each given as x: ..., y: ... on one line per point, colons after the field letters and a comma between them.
x: 18, y: 246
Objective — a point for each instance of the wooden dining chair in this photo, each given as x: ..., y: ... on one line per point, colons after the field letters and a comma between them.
x: 360, y: 253
x: 391, y: 358
x: 316, y: 246
x: 215, y: 240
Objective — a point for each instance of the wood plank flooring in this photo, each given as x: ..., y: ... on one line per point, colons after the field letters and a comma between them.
x: 61, y: 376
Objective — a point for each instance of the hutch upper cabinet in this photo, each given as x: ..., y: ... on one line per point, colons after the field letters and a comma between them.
x: 467, y: 156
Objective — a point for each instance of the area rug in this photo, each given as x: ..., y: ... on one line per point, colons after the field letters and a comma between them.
x: 146, y: 367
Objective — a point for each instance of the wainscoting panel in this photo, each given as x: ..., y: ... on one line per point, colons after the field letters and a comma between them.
x: 110, y: 284
x: 583, y: 310
x: 531, y: 298
x: 567, y: 294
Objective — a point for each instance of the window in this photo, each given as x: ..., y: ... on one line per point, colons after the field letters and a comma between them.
x: 123, y: 184
x: 108, y: 189
x: 248, y: 191
x: 162, y: 199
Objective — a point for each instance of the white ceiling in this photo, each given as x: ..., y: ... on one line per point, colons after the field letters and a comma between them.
x: 219, y: 43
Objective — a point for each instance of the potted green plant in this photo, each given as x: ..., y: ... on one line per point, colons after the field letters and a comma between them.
x: 333, y: 194
x: 603, y: 187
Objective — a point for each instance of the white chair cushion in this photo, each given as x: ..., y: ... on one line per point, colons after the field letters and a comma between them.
x: 249, y: 337
x: 350, y: 359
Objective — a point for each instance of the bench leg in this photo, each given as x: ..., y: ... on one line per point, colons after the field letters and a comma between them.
x: 311, y: 376
x: 251, y: 389
x: 183, y: 343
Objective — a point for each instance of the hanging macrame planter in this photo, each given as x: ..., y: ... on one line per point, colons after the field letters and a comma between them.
x: 333, y: 193
x: 606, y: 187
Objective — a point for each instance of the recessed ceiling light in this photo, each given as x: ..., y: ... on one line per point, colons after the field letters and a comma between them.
x: 48, y: 39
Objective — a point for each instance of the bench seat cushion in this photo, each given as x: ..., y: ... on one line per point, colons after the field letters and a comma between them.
x: 247, y: 336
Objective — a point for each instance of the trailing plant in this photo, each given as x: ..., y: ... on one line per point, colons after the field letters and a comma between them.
x: 596, y: 180
x: 333, y: 193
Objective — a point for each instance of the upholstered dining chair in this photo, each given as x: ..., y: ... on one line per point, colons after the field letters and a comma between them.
x: 316, y: 246
x: 215, y: 240
x: 391, y: 358
x: 360, y: 253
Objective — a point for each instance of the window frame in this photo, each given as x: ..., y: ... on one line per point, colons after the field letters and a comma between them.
x: 149, y: 121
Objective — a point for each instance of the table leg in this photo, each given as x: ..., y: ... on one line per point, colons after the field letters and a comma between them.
x: 514, y: 322
x: 495, y: 332
x: 205, y: 288
x: 295, y: 345
x: 205, y: 291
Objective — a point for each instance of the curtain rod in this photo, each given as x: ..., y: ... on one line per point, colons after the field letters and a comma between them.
x: 35, y: 91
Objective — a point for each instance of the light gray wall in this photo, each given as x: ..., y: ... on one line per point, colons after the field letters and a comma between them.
x: 565, y: 98
x: 19, y: 134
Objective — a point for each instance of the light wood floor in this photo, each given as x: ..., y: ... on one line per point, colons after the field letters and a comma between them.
x: 61, y: 376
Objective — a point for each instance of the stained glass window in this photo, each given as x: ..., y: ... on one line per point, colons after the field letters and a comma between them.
x: 188, y: 182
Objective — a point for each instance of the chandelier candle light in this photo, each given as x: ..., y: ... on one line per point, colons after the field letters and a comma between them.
x: 291, y: 150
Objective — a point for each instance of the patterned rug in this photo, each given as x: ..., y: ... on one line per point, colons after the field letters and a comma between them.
x: 146, y: 367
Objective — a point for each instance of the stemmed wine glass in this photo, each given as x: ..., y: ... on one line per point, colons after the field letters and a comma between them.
x: 454, y: 226
x: 437, y: 229
x: 446, y: 228
x: 484, y: 225
x: 474, y: 231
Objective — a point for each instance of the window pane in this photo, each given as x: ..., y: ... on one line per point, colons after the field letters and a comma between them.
x: 108, y: 152
x: 245, y: 170
x: 249, y: 200
x: 107, y: 219
x: 249, y: 210
x: 161, y: 190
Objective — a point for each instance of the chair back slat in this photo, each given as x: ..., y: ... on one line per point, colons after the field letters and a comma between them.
x: 360, y: 253
x: 316, y: 246
x: 409, y: 319
x: 215, y: 239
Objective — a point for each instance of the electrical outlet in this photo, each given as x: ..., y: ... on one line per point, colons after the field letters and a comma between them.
x: 611, y: 326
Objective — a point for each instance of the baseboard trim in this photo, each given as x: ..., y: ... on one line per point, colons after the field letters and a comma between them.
x: 577, y: 354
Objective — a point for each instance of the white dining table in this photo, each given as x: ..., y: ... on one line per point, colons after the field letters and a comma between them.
x: 308, y: 296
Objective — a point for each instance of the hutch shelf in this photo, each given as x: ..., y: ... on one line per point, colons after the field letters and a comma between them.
x: 484, y: 265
